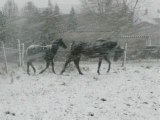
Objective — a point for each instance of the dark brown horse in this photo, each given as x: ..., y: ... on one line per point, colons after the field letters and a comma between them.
x: 98, y: 49
x: 37, y: 52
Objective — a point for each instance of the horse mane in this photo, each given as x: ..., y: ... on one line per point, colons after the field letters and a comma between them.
x: 100, y: 40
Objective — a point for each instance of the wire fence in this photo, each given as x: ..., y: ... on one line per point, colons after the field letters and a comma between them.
x: 18, y: 57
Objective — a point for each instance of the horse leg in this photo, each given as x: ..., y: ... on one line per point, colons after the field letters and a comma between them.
x: 47, y: 65
x: 76, y: 62
x: 99, y: 65
x: 33, y: 67
x: 28, y: 68
x: 65, y: 65
x: 53, y: 67
x: 109, y: 62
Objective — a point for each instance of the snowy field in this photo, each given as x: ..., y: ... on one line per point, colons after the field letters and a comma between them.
x: 131, y: 93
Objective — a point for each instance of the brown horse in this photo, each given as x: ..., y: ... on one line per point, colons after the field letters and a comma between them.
x: 98, y: 49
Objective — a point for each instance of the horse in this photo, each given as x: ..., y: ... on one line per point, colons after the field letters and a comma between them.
x: 37, y: 52
x: 98, y: 49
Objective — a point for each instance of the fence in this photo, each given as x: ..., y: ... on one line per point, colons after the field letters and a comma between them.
x: 11, y: 55
x: 17, y: 56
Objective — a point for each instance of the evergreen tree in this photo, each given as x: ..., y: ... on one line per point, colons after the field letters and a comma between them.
x: 50, y: 5
x: 30, y: 10
x: 72, y: 22
x: 10, y: 9
x: 2, y: 27
x: 30, y: 30
x: 48, y: 27
x: 56, y: 10
x: 53, y: 25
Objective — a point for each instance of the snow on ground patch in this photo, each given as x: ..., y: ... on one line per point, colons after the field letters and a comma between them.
x: 122, y: 94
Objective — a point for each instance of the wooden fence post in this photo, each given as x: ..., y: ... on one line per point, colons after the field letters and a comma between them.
x: 19, y: 53
x: 150, y: 41
x: 125, y: 55
x: 23, y: 51
x: 5, y: 58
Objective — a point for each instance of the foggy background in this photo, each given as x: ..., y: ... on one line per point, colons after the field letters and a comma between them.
x: 42, y: 21
x: 65, y: 5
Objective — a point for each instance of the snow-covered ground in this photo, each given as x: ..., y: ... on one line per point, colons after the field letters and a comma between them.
x: 131, y: 93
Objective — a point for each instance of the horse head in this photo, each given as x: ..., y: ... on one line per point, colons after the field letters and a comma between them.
x: 61, y: 43
x: 118, y: 53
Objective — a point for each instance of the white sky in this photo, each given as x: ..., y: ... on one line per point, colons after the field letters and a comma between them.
x: 65, y: 5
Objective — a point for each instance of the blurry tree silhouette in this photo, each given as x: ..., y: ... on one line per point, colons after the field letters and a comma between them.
x: 72, y: 22
x: 56, y: 10
x: 10, y: 9
x: 113, y: 15
x: 31, y: 21
x: 2, y: 27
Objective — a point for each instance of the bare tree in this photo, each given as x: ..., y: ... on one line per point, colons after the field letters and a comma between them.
x: 112, y: 14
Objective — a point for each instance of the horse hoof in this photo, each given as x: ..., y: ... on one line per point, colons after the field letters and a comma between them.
x: 54, y: 72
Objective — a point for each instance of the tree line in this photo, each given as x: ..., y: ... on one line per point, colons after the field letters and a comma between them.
x: 42, y: 25
x: 32, y: 24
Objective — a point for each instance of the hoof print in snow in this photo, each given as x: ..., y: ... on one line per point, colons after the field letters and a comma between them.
x: 103, y: 99
x: 13, y: 114
x: 95, y: 78
x: 115, y: 72
x: 128, y: 105
x: 114, y: 107
x: 145, y: 102
x: 136, y: 71
x: 148, y: 67
x: 155, y: 109
x: 7, y: 112
x: 18, y: 77
x: 125, y: 113
x: 124, y: 69
x: 64, y: 84
x: 91, y: 114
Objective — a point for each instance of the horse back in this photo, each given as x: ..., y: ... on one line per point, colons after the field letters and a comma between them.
x: 93, y: 49
x: 76, y: 47
x: 35, y: 49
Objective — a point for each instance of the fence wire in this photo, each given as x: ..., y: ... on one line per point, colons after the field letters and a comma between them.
x: 12, y: 55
